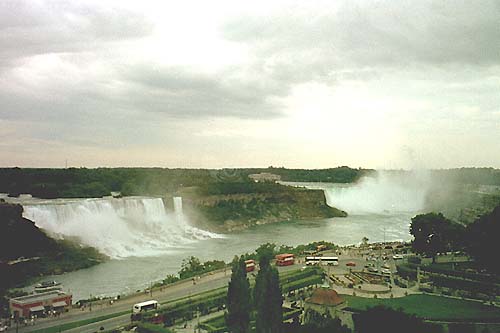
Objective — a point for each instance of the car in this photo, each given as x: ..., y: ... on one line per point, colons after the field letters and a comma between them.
x: 386, y: 266
x: 397, y: 257
x: 351, y: 264
x: 3, y: 328
x: 372, y: 269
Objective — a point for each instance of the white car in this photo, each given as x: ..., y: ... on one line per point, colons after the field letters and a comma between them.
x: 397, y: 256
x: 3, y: 328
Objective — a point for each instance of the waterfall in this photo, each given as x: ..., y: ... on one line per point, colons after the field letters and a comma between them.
x: 380, y: 194
x: 132, y: 226
x: 178, y: 205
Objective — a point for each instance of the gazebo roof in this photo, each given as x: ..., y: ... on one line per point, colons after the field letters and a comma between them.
x: 324, y: 296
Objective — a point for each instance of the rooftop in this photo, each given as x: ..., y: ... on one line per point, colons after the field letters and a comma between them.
x: 325, y: 296
x: 39, y: 297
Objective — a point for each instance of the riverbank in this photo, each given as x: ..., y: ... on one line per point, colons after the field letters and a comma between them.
x: 226, y: 213
x: 26, y: 252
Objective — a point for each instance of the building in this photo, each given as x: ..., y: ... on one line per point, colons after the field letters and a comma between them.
x: 264, y: 177
x: 39, y: 304
x: 325, y: 300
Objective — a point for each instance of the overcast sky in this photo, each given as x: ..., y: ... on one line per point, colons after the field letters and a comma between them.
x: 382, y: 84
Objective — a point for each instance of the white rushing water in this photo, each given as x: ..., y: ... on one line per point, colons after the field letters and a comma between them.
x: 133, y: 226
x: 130, y: 228
x: 380, y: 193
x: 178, y: 206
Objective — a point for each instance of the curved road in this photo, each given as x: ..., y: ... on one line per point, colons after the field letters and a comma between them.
x: 163, y: 295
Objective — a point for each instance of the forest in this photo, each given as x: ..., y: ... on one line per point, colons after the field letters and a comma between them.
x: 86, y: 183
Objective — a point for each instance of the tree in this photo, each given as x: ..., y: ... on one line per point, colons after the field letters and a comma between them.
x: 434, y: 233
x: 265, y: 250
x: 482, y: 240
x: 382, y: 319
x: 190, y: 267
x: 319, y: 323
x: 268, y: 298
x: 238, y: 298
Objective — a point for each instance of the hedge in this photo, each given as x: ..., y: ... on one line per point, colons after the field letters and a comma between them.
x: 208, y: 325
x: 291, y: 314
x: 212, y: 329
x: 408, y: 271
x: 459, y: 283
x: 471, y: 276
x: 299, y: 275
x: 316, y: 279
x: 186, y: 309
x: 151, y: 328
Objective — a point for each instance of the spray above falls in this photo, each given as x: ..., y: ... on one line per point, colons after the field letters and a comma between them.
x: 133, y: 226
x: 384, y: 192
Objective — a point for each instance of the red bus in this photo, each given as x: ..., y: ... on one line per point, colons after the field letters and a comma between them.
x: 285, y: 259
x: 250, y: 265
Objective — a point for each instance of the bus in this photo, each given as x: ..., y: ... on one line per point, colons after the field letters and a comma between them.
x: 250, y: 265
x: 285, y: 259
x: 317, y: 260
x: 145, y: 306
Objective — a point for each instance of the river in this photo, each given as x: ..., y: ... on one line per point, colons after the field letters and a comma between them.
x: 147, y: 247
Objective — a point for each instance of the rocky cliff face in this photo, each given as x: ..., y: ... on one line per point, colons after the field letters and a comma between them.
x: 26, y: 251
x: 19, y: 237
x: 226, y: 213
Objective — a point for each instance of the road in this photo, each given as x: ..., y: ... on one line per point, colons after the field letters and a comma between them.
x: 166, y: 294
x: 108, y: 324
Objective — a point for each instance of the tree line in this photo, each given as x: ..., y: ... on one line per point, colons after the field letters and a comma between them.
x: 434, y: 233
x: 84, y: 182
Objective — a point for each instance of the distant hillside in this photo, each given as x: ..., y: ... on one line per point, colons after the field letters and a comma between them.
x: 26, y: 251
x: 89, y: 183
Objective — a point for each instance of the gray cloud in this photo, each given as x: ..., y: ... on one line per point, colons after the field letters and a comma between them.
x: 67, y: 78
x: 377, y: 34
x: 182, y: 93
x: 99, y: 110
x: 29, y: 28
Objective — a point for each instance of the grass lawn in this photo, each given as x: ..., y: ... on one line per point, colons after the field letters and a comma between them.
x: 430, y: 307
